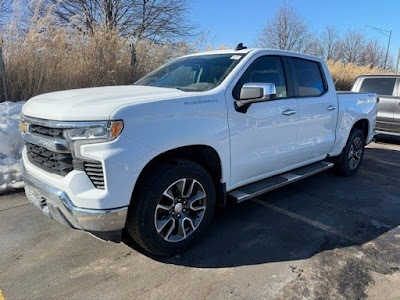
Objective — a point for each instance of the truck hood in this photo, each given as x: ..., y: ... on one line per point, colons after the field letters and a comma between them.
x: 93, y: 104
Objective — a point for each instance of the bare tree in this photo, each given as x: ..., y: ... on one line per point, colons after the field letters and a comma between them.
x: 157, y: 20
x: 329, y: 44
x: 287, y: 31
x: 165, y: 19
x: 373, y: 54
x: 352, y: 46
x: 5, y: 10
x: 90, y: 15
x: 5, y: 5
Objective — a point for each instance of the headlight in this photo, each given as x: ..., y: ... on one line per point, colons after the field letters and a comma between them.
x: 107, y: 133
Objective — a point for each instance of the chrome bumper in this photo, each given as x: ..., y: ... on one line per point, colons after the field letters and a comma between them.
x: 57, y: 205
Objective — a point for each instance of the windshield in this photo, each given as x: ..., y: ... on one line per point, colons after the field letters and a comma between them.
x: 196, y: 73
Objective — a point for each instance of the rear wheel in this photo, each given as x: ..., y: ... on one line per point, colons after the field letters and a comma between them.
x: 350, y: 159
x: 172, y: 208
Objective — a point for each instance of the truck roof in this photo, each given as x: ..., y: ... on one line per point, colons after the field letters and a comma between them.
x: 256, y: 50
x: 379, y: 75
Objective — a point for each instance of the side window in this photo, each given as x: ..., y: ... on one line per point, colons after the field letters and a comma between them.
x: 266, y: 69
x: 307, y: 74
x: 381, y: 86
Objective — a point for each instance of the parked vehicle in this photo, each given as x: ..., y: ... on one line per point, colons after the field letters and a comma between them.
x: 387, y: 88
x: 156, y: 157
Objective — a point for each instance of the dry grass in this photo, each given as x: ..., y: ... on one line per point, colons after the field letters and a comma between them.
x: 42, y: 57
x: 344, y: 74
x: 47, y: 58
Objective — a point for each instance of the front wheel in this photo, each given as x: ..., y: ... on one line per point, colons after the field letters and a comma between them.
x: 172, y: 207
x: 349, y: 161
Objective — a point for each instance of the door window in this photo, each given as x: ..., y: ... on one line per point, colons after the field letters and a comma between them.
x: 266, y: 69
x: 307, y: 74
x: 380, y: 86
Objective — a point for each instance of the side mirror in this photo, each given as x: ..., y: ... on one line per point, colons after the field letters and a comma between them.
x: 253, y: 93
x: 257, y: 91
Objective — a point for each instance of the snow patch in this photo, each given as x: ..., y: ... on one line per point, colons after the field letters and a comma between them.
x: 11, y: 145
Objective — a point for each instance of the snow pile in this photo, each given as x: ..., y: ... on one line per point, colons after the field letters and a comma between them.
x: 10, y: 146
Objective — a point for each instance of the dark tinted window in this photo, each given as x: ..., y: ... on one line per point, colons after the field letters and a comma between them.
x: 381, y: 86
x: 309, y: 78
x: 266, y: 69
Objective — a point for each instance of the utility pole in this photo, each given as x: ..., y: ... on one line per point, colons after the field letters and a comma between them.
x: 397, y: 64
x: 387, y: 33
x: 387, y: 50
x: 3, y: 75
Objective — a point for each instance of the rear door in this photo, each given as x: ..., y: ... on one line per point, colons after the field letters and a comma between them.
x: 384, y: 87
x: 317, y: 115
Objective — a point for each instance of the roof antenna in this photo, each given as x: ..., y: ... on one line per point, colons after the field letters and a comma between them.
x: 240, y: 47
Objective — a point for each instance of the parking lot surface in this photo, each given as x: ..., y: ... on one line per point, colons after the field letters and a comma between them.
x: 325, y: 237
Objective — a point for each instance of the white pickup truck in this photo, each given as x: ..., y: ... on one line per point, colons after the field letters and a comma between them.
x: 156, y: 157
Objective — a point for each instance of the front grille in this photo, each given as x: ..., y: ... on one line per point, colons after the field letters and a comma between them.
x: 95, y: 172
x: 46, y: 131
x: 52, y: 162
x: 59, y: 163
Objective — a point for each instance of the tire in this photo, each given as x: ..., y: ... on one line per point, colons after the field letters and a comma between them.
x: 349, y: 161
x: 160, y: 204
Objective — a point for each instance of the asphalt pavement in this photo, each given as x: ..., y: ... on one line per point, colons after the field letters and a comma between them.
x: 325, y: 237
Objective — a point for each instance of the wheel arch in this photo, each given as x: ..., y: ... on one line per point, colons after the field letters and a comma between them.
x: 204, y: 155
x: 363, y: 125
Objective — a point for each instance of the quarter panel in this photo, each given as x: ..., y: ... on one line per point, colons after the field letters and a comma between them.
x: 352, y: 108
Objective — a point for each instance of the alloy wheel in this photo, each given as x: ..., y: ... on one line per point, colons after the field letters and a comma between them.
x: 355, y: 153
x: 180, y: 210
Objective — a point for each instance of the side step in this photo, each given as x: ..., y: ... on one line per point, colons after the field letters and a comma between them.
x: 260, y: 187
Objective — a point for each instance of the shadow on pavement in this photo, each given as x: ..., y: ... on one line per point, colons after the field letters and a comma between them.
x: 319, y: 213
x: 12, y: 191
x: 386, y: 138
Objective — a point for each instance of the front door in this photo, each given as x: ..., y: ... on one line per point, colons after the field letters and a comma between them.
x: 263, y: 140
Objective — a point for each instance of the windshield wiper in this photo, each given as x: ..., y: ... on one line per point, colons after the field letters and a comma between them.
x: 187, y: 89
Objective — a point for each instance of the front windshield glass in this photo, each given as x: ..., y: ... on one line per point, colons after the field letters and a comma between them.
x: 195, y: 73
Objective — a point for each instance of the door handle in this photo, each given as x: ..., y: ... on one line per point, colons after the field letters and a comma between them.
x: 288, y: 112
x: 331, y: 107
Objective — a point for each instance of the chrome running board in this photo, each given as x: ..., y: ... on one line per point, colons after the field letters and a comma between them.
x: 260, y: 187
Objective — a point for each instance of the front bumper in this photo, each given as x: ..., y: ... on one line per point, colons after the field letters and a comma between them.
x: 56, y: 204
